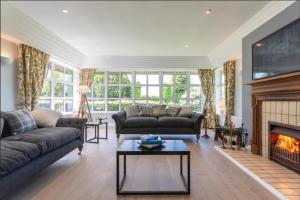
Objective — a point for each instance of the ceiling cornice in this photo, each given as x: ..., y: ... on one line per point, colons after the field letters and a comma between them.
x: 161, y: 63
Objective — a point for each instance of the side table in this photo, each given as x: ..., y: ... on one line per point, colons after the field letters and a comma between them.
x: 96, y: 126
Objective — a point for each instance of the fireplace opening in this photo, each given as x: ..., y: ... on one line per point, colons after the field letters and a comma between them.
x: 284, y: 145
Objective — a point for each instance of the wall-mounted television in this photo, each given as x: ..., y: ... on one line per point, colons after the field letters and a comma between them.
x: 278, y: 53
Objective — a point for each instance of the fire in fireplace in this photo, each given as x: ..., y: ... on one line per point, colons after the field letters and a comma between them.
x: 289, y: 144
x: 284, y: 145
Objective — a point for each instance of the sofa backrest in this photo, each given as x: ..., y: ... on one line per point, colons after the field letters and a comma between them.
x: 5, y: 132
x: 1, y: 125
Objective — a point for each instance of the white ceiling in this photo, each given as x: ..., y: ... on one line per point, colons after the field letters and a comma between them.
x: 152, y: 28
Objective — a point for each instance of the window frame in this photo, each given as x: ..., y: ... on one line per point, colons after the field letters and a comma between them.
x: 51, y: 69
x: 147, y: 100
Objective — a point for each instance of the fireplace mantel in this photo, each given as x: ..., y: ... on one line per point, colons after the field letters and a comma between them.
x: 281, y: 88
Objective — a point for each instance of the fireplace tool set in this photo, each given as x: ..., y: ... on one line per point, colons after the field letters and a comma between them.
x: 237, y: 137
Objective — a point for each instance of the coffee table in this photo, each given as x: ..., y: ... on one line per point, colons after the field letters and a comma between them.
x: 171, y: 147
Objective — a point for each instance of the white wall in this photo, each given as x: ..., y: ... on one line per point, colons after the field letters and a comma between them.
x: 9, y: 75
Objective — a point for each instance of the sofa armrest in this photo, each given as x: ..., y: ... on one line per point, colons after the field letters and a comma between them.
x: 74, y: 123
x: 197, y: 119
x: 119, y: 119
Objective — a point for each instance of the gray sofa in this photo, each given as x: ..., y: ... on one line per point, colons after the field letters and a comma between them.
x: 164, y: 125
x: 24, y: 155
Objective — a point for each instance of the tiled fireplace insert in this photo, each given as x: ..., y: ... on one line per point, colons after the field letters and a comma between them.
x: 284, y: 145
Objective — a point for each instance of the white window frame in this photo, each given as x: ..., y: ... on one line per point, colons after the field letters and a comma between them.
x: 92, y: 98
x: 51, y: 70
x: 160, y: 85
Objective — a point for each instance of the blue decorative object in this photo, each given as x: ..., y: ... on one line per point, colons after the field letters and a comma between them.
x: 151, y: 141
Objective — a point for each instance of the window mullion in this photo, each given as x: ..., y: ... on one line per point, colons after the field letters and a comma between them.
x: 133, y: 87
x: 188, y: 88
x: 160, y: 88
x: 174, y: 88
x: 106, y: 90
x: 53, y: 82
x: 119, y: 91
x: 147, y: 86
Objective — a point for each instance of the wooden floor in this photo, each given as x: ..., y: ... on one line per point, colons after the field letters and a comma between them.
x: 92, y: 175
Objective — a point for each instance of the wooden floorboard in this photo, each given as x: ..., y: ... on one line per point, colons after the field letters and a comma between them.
x: 92, y: 175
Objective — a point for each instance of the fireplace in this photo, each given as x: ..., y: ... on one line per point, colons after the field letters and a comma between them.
x: 284, y: 145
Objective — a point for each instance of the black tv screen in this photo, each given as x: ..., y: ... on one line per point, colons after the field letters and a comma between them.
x: 278, y: 53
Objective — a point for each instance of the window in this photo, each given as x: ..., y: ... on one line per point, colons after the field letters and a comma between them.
x: 147, y: 90
x: 97, y: 100
x: 114, y: 91
x: 181, y: 89
x: 57, y: 92
x: 197, y: 98
x: 220, y: 91
x: 126, y: 90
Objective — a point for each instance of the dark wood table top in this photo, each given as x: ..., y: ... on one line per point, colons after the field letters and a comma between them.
x: 170, y: 147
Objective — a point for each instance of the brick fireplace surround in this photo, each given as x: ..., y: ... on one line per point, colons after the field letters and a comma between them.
x: 274, y: 99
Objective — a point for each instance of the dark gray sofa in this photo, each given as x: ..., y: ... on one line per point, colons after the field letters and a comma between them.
x: 22, y: 156
x: 162, y: 125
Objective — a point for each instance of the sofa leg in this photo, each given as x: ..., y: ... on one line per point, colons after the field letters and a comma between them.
x: 197, y: 137
x: 118, y: 137
x: 80, y: 149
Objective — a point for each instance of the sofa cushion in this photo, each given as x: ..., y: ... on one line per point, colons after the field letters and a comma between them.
x: 175, y: 122
x: 48, y: 139
x: 132, y: 111
x: 159, y: 110
x: 173, y: 111
x: 15, y: 154
x: 46, y: 117
x: 141, y: 122
x: 146, y: 112
x: 185, y: 112
x: 19, y: 121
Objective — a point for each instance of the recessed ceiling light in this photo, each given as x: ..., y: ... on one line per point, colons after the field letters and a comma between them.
x: 258, y: 44
x: 65, y: 11
x: 208, y: 11
x: 186, y: 46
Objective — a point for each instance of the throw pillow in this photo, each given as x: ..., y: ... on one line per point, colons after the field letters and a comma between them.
x: 142, y: 106
x: 146, y: 112
x: 159, y: 110
x: 20, y: 121
x: 185, y: 112
x: 45, y: 117
x: 173, y: 111
x: 132, y: 111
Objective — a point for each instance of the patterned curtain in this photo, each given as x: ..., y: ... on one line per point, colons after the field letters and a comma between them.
x: 207, y: 78
x: 229, y: 76
x: 86, y: 77
x: 31, y: 71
